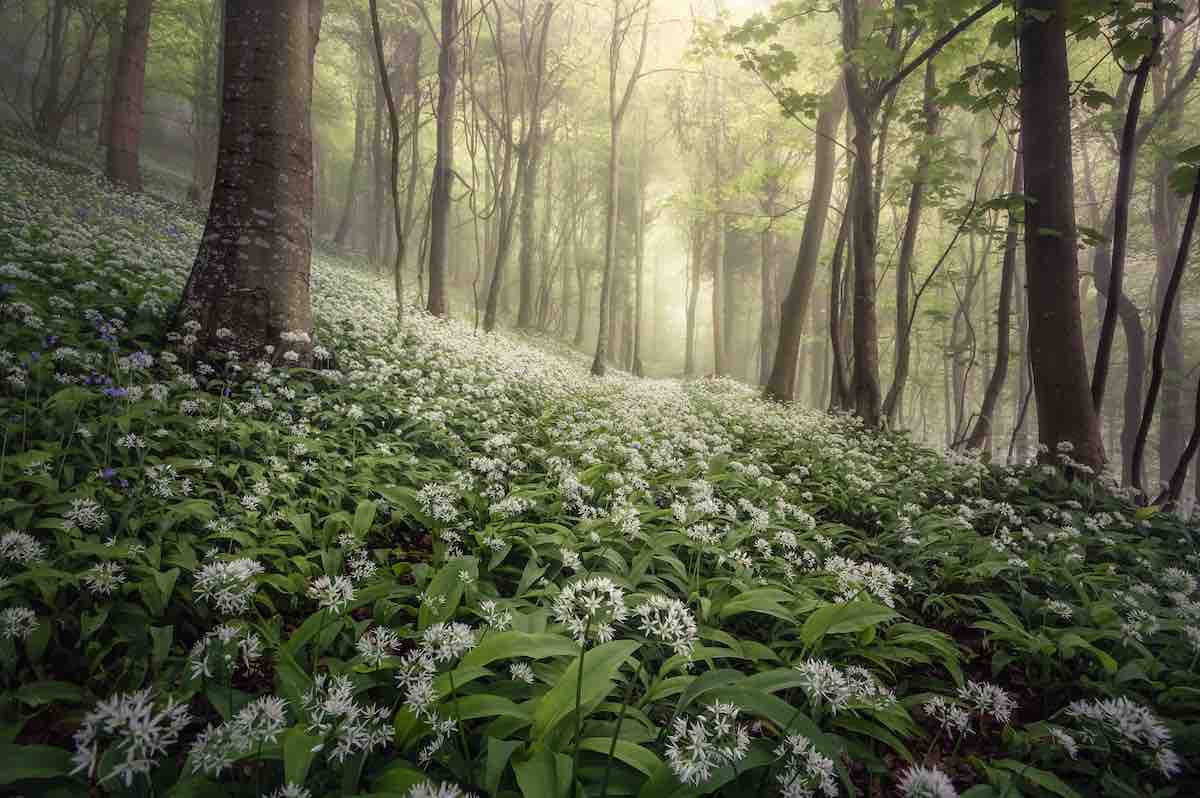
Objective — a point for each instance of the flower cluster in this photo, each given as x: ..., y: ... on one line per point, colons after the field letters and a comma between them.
x: 130, y: 729
x: 704, y: 743
x: 590, y: 608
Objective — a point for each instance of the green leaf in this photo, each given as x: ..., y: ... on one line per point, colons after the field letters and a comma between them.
x: 36, y: 694
x: 298, y: 754
x: 600, y: 666
x: 764, y: 600
x: 448, y: 584
x: 632, y: 754
x: 511, y: 645
x: 850, y: 617
x: 484, y: 705
x: 20, y: 762
x: 397, y: 778
x: 1045, y: 780
x: 499, y: 752
x: 364, y: 516
x: 544, y: 774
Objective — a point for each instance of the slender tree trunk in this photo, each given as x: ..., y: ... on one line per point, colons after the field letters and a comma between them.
x: 696, y: 266
x: 981, y: 434
x: 443, y: 168
x: 249, y: 286
x: 768, y: 332
x: 916, y: 199
x: 394, y: 165
x: 124, y: 140
x: 1060, y: 373
x: 360, y: 124
x: 841, y: 398
x: 1127, y: 164
x: 206, y: 102
x: 782, y: 381
x: 379, y: 188
x: 1170, y: 294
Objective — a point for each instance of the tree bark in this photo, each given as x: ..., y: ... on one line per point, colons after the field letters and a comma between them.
x: 696, y: 268
x: 443, y: 167
x: 982, y: 432
x: 249, y: 286
x: 360, y: 125
x: 1060, y: 373
x: 124, y: 140
x: 781, y: 384
x: 1127, y: 163
x: 1170, y: 296
x: 916, y: 199
x: 865, y: 391
x: 617, y: 106
x: 394, y: 165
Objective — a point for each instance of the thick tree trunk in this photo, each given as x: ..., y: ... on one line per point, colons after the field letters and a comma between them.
x: 443, y: 167
x: 124, y: 140
x: 912, y: 224
x: 1060, y: 373
x: 360, y: 125
x: 249, y: 286
x: 781, y: 384
x: 113, y: 27
x: 981, y: 434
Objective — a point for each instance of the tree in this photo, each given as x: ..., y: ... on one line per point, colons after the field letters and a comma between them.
x: 623, y: 20
x: 443, y: 167
x: 781, y: 385
x: 125, y: 133
x: 249, y: 285
x: 1065, y: 411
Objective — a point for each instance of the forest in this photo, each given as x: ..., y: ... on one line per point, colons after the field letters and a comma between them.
x: 590, y: 398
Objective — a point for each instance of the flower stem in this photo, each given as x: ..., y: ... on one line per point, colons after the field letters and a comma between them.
x: 578, y: 714
x: 612, y: 748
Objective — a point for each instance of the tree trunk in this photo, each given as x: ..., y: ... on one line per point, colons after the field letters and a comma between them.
x: 768, y: 331
x: 1170, y: 298
x: 379, y: 185
x: 781, y: 384
x: 124, y: 140
x: 865, y: 377
x: 206, y: 101
x: 718, y: 294
x: 1127, y: 164
x: 249, y: 286
x: 113, y: 27
x: 840, y: 397
x: 916, y: 199
x: 981, y: 434
x: 394, y: 165
x: 443, y: 167
x: 696, y: 268
x: 360, y: 124
x: 1060, y: 373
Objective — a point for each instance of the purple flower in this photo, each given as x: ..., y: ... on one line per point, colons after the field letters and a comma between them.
x: 107, y: 473
x: 116, y: 393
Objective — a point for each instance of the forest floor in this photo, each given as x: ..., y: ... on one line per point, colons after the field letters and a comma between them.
x: 226, y: 578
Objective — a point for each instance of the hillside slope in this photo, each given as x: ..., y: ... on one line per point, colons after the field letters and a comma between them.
x: 229, y: 578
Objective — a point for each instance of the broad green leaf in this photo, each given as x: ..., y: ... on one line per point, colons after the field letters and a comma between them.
x: 20, y: 762
x: 1044, y: 779
x: 600, y: 666
x: 298, y: 754
x: 513, y: 645
x: 630, y: 753
x: 448, y: 584
x: 850, y: 617
x: 544, y: 774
